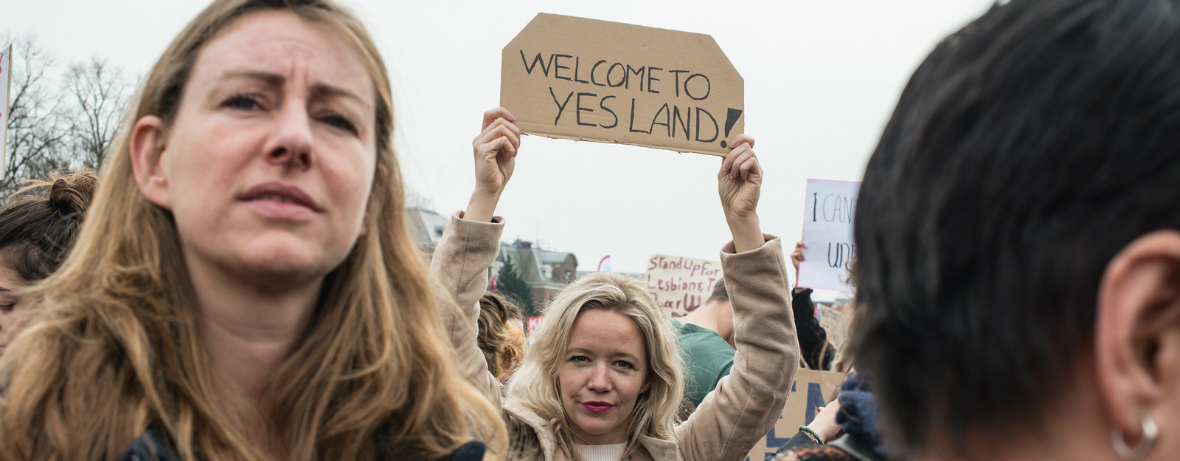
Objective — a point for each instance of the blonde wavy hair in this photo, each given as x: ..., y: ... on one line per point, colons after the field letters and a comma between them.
x: 535, y: 384
x: 120, y: 347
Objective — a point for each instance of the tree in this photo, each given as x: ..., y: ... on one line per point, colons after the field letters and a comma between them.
x: 37, y: 128
x: 99, y: 93
x: 510, y: 284
x: 66, y: 126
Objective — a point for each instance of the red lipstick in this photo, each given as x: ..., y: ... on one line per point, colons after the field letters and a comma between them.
x: 597, y: 407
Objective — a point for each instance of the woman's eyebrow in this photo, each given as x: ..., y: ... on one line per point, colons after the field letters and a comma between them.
x: 270, y: 78
x: 321, y: 90
x: 611, y: 354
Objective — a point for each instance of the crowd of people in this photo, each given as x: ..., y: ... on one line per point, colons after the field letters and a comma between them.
x: 237, y: 282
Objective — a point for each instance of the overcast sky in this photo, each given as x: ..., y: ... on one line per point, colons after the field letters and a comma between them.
x: 821, y: 79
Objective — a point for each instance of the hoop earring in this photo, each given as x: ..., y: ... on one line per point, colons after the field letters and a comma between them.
x: 1150, y: 433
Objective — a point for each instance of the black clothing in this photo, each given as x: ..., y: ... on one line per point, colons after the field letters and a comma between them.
x: 813, y: 340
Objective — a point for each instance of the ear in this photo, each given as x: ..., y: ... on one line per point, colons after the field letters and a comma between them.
x: 148, y: 144
x: 1137, y: 331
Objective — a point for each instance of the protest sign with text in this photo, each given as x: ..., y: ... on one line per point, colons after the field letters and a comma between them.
x: 584, y: 79
x: 681, y: 285
x: 827, y: 232
x: 811, y: 390
x: 5, y: 81
x: 834, y: 322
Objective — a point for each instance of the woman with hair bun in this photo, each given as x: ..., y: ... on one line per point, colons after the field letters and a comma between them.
x: 37, y: 229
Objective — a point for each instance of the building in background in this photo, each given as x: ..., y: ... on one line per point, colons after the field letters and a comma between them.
x: 426, y: 228
x: 546, y: 271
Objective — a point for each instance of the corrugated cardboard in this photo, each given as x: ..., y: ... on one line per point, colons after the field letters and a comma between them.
x: 812, y: 389
x: 584, y: 79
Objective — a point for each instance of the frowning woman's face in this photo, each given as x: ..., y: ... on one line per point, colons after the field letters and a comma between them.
x: 268, y: 165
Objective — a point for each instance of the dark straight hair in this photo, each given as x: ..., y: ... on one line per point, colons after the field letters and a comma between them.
x: 1025, y: 152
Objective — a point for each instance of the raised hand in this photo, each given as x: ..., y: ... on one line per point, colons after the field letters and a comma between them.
x: 797, y: 259
x: 739, y: 184
x: 495, y: 152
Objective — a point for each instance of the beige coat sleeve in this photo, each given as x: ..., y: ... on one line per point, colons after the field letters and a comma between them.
x: 747, y: 403
x: 459, y: 272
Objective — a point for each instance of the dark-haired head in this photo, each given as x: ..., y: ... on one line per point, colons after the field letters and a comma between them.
x: 38, y: 227
x: 1029, y: 172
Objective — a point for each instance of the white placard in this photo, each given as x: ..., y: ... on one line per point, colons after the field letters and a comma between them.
x: 5, y: 82
x: 827, y: 232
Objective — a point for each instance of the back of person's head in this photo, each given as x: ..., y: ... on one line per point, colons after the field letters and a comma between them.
x: 535, y: 383
x: 121, y: 345
x: 1028, y: 149
x: 502, y: 345
x: 39, y: 224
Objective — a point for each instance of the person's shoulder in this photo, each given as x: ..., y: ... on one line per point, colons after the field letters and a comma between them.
x: 701, y: 338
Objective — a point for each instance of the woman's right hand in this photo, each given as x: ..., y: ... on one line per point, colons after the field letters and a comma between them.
x: 495, y: 158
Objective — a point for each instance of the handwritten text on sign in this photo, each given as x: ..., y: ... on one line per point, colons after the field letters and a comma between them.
x: 827, y: 232
x: 584, y: 79
x: 681, y: 285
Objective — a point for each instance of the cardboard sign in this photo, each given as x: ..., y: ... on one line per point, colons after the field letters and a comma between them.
x: 681, y: 285
x: 584, y: 79
x: 811, y: 389
x: 827, y: 232
x: 834, y: 321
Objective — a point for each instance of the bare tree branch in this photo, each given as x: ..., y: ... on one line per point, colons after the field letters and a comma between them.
x: 66, y: 126
x: 99, y: 93
x: 37, y: 128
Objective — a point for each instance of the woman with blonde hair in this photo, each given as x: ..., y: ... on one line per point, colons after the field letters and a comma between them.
x: 603, y: 379
x: 244, y: 287
x: 501, y: 342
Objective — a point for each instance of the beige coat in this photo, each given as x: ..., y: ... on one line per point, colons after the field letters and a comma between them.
x: 731, y: 419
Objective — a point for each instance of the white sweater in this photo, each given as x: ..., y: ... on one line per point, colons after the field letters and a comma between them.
x: 613, y: 452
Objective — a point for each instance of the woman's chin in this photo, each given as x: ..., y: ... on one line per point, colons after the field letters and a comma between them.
x: 285, y: 265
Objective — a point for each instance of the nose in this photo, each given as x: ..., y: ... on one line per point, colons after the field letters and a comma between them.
x: 291, y: 143
x: 600, y: 379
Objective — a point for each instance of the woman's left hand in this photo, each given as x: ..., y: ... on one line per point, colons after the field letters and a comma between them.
x: 739, y: 183
x: 495, y: 159
x: 824, y: 425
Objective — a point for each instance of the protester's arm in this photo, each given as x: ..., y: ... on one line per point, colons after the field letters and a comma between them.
x: 747, y: 403
x: 813, y: 340
x: 470, y: 243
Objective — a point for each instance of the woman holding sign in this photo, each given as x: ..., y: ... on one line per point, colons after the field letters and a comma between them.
x: 603, y: 379
x: 244, y: 288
